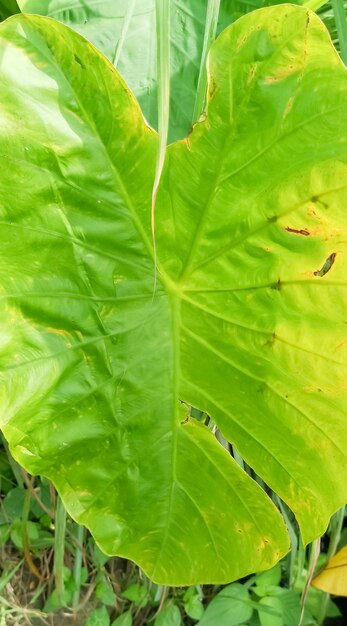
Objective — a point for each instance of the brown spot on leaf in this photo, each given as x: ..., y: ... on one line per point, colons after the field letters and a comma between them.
x: 79, y: 61
x: 312, y: 213
x: 251, y: 73
x: 296, y: 231
x: 272, y: 79
x: 327, y: 265
x: 271, y: 340
x: 212, y: 88
x: 277, y: 285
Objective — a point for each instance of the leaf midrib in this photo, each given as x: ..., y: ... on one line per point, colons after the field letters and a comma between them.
x: 175, y: 305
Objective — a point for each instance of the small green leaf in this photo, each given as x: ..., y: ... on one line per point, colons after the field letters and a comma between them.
x: 38, y: 538
x: 123, y: 620
x: 67, y: 574
x: 230, y: 606
x: 169, y: 616
x: 43, y: 493
x: 99, y: 617
x: 265, y: 581
x: 267, y: 619
x: 13, y: 503
x: 193, y: 603
x: 270, y: 577
x: 291, y: 606
x: 54, y: 603
x: 105, y: 593
x: 136, y: 593
x: 46, y: 521
x: 84, y: 575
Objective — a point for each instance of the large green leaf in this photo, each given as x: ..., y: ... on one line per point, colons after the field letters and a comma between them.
x: 247, y: 320
x: 125, y: 31
x: 257, y: 255
x: 8, y: 8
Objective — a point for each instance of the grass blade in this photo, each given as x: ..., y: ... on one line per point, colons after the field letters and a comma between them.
x: 59, y: 548
x: 77, y: 567
x: 26, y: 543
x: 6, y: 577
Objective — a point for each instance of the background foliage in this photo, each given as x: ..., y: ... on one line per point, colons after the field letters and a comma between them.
x: 52, y: 573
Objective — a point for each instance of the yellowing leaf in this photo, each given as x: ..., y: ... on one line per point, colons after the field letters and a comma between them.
x: 333, y: 578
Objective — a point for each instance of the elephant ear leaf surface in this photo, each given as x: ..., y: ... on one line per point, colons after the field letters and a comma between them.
x: 125, y: 31
x: 247, y: 320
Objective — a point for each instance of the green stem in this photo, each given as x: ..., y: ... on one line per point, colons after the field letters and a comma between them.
x: 301, y: 561
x: 59, y: 548
x: 312, y: 562
x: 335, y: 536
x: 163, y: 9
x: 293, y: 541
x: 25, y: 534
x: 77, y: 567
x: 210, y: 34
x: 127, y: 19
x: 341, y: 26
x: 238, y: 458
x: 336, y: 529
